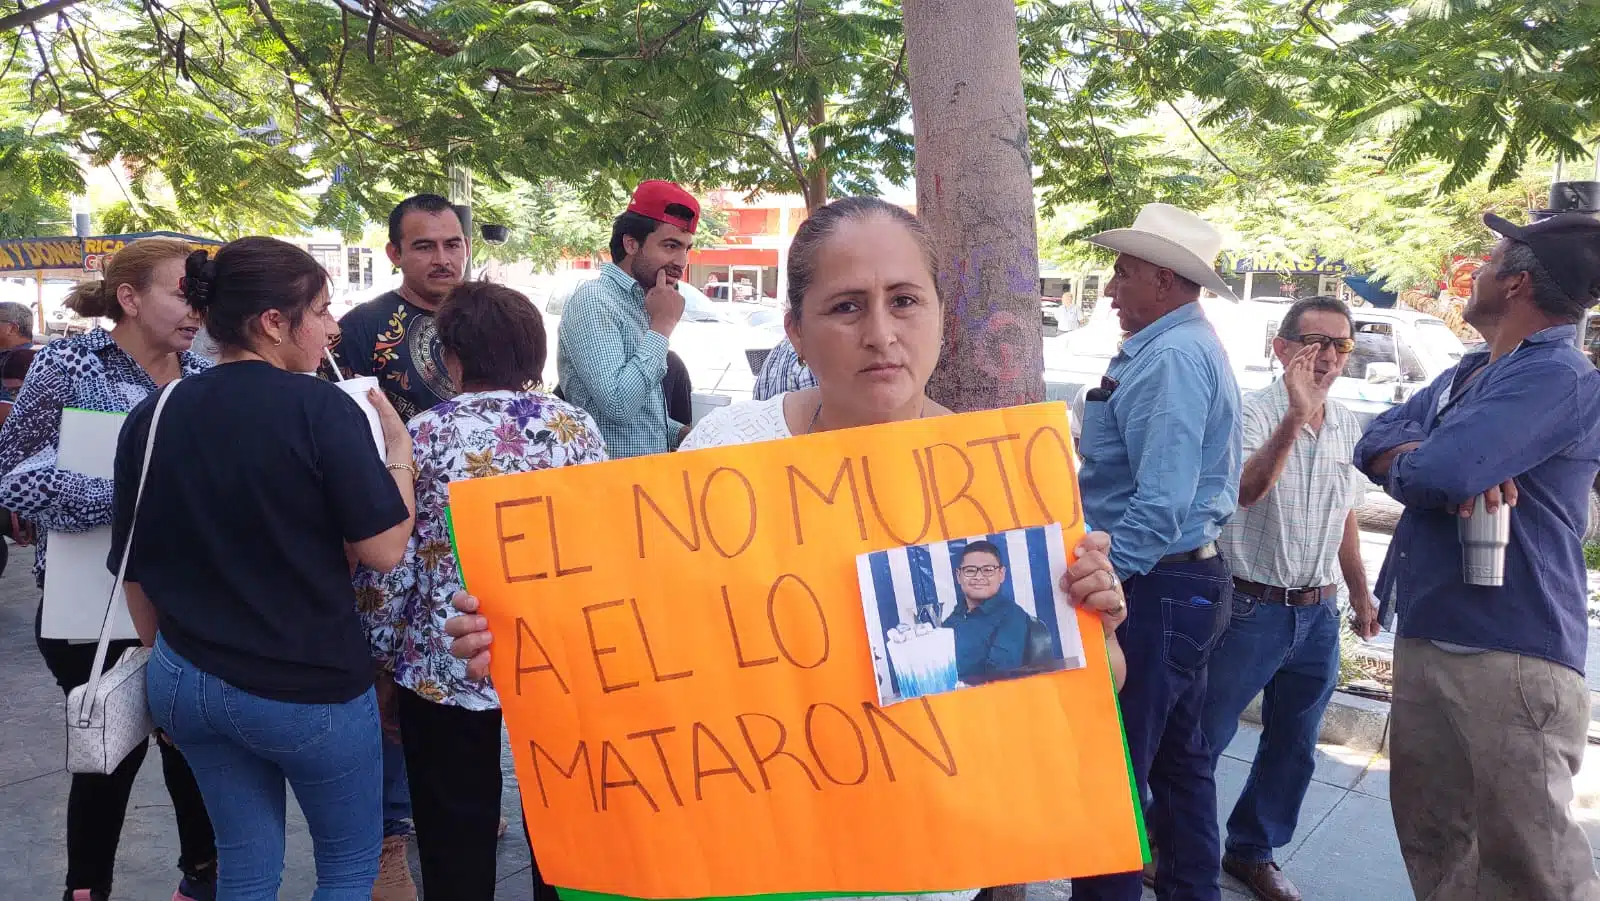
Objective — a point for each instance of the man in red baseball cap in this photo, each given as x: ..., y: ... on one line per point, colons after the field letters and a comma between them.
x: 611, y: 353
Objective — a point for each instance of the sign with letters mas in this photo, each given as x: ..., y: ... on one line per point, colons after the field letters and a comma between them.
x: 682, y: 657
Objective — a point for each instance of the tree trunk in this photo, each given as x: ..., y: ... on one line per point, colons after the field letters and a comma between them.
x: 975, y: 192
x: 817, y: 173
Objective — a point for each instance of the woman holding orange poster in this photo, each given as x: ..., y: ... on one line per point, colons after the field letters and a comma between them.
x: 866, y: 317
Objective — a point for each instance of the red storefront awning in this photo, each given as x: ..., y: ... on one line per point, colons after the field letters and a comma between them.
x: 734, y: 256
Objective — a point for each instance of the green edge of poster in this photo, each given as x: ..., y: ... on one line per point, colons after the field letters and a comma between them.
x: 572, y: 894
x: 1133, y: 782
x: 120, y: 415
x: 450, y: 527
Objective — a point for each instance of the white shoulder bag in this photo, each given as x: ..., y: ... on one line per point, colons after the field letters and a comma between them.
x: 109, y: 716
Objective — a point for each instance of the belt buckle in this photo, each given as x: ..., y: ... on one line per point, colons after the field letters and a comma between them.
x: 1303, y: 597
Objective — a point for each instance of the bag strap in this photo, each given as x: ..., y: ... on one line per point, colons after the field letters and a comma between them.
x: 86, y: 708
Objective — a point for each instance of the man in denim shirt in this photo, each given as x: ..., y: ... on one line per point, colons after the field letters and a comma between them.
x: 1490, y: 707
x: 1161, y: 457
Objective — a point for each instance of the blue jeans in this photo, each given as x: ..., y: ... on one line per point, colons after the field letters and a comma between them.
x: 243, y: 748
x: 1176, y: 613
x: 1291, y: 655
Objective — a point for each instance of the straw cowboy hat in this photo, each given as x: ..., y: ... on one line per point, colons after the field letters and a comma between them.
x: 1175, y: 239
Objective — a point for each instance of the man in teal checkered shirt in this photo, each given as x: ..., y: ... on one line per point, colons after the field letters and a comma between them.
x: 612, y: 346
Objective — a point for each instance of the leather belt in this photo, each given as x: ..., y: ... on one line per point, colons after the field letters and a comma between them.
x: 1203, y: 552
x: 1294, y: 597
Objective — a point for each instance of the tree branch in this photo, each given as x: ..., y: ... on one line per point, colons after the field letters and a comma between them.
x: 526, y: 86
x: 283, y: 36
x: 344, y: 49
x: 85, y: 60
x: 1319, y: 28
x: 30, y: 16
x: 16, y: 45
x: 1220, y: 161
x: 651, y: 49
x: 799, y: 12
x: 441, y: 45
x: 47, y: 69
x: 698, y: 16
x: 1105, y: 158
x: 794, y: 155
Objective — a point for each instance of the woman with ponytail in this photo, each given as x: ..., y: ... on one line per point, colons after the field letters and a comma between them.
x: 261, y: 480
x: 110, y: 371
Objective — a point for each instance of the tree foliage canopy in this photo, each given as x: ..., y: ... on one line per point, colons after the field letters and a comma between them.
x: 238, y: 115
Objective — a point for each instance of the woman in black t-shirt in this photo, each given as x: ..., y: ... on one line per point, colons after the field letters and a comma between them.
x: 261, y: 480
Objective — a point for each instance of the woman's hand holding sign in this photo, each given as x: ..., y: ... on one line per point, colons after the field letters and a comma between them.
x: 470, y: 635
x: 1090, y: 582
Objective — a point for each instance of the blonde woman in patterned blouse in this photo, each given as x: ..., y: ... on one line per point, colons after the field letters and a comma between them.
x: 493, y: 341
x: 110, y: 372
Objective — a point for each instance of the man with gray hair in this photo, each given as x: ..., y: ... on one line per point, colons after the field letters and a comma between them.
x: 16, y: 331
x: 1293, y: 537
x: 16, y: 325
x: 1491, y: 713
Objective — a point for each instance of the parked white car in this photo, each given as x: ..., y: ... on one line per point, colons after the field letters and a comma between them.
x: 711, y: 339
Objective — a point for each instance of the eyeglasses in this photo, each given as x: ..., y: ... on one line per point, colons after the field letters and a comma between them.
x: 968, y: 572
x: 1342, y: 345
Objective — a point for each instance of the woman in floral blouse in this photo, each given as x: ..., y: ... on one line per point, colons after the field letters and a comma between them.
x: 494, y: 347
x: 110, y: 372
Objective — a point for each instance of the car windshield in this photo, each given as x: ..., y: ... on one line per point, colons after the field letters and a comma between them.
x: 1438, y: 343
x: 697, y: 307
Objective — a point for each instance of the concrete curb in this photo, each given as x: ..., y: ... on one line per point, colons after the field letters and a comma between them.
x: 1351, y: 721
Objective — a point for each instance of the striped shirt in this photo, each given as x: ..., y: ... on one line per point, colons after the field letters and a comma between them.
x: 782, y: 372
x: 611, y: 365
x: 1290, y: 538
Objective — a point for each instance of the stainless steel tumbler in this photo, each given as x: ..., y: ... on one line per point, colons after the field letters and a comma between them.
x: 1484, y: 537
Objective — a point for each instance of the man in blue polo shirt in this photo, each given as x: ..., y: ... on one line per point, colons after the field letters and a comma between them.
x: 1491, y: 711
x: 1161, y: 457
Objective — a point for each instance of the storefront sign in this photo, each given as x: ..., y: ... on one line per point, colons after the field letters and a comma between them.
x: 20, y: 254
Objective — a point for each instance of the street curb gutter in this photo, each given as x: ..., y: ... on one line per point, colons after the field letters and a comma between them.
x: 1351, y: 721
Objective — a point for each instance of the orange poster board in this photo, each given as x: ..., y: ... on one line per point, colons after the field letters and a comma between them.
x: 682, y: 656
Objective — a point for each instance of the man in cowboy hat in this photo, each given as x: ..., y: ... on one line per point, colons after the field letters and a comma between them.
x: 1161, y: 456
x: 1490, y: 706
x: 612, y: 347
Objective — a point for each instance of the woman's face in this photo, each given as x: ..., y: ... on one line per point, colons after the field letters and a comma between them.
x: 306, y: 344
x: 870, y: 325
x: 160, y: 311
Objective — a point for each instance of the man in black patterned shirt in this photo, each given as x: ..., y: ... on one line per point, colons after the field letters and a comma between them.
x: 393, y: 336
